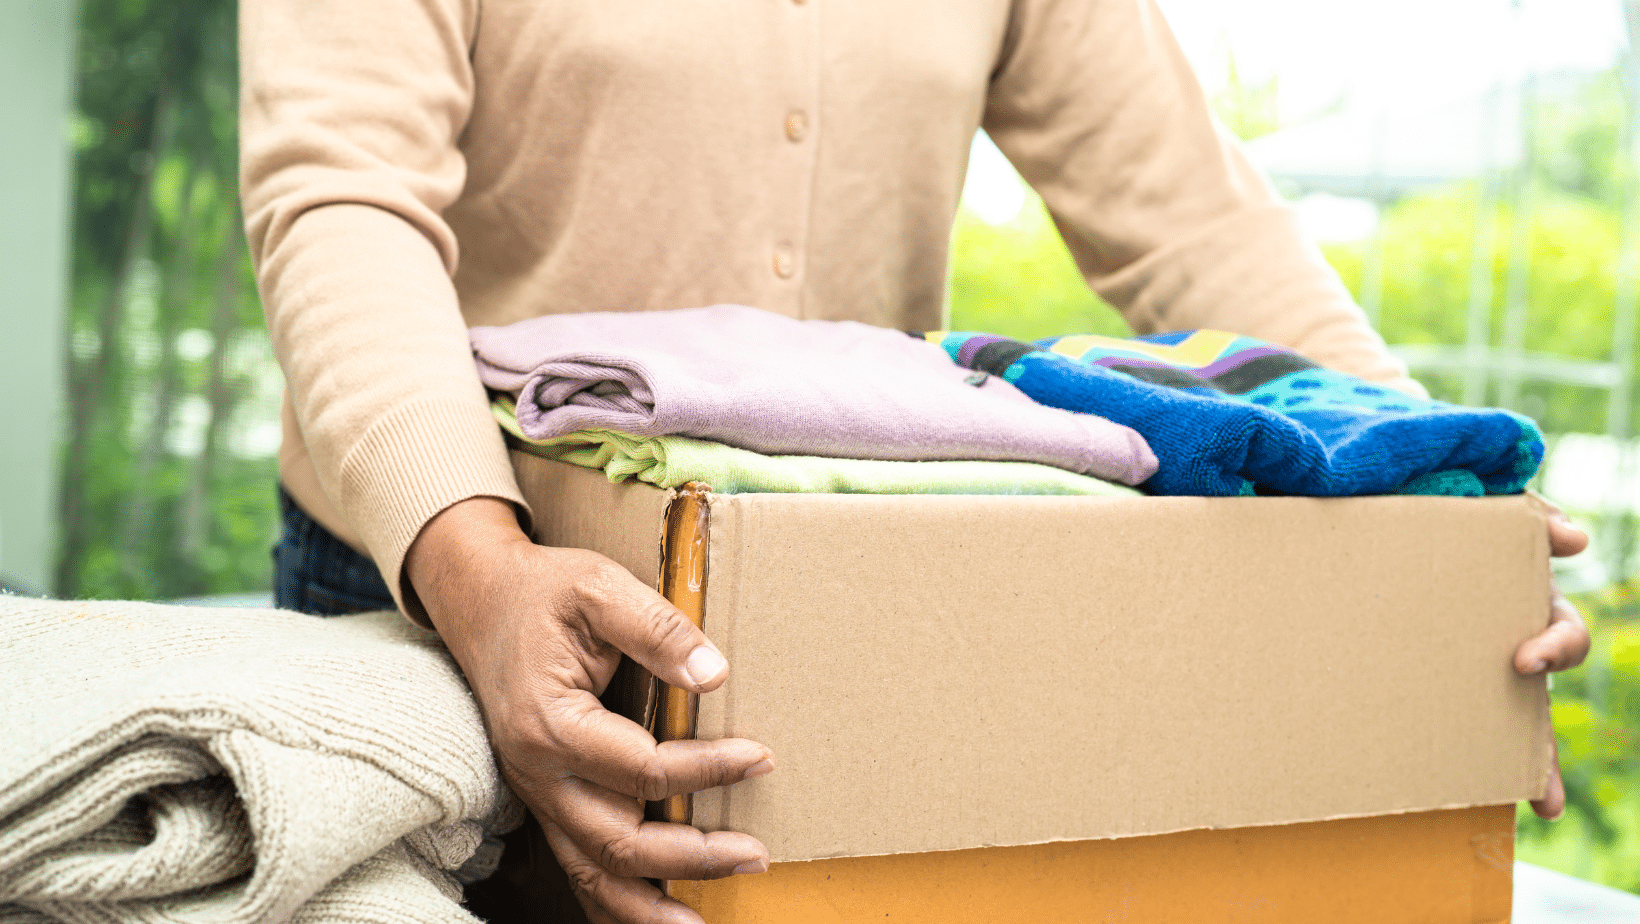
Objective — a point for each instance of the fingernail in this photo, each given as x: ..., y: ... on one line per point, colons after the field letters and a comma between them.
x: 761, y: 768
x: 704, y: 664
x: 760, y: 865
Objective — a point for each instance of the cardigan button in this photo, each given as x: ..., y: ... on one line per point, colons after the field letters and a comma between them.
x: 797, y: 125
x: 785, y: 260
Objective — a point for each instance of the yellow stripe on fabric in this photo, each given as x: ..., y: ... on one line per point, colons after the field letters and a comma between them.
x: 1195, y: 351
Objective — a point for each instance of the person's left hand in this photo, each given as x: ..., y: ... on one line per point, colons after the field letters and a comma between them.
x: 1563, y: 645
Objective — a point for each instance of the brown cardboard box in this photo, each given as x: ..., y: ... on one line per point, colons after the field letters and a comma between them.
x: 1009, y: 708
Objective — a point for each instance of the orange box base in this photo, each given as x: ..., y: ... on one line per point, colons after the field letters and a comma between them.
x: 1444, y: 867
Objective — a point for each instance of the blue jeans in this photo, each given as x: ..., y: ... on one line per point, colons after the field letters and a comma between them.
x: 316, y: 573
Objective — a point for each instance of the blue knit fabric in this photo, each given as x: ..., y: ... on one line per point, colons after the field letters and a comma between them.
x: 1229, y: 415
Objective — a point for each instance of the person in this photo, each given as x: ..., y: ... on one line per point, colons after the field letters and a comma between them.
x: 413, y: 167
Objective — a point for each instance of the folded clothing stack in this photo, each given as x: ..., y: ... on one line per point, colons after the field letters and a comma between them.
x: 746, y: 400
x: 773, y: 385
x: 673, y: 461
x: 184, y: 764
x: 1230, y: 415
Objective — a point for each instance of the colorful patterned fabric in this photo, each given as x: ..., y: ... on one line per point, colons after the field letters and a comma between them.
x: 673, y: 461
x: 1230, y: 415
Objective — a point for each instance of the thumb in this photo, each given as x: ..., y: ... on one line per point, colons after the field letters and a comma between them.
x: 622, y: 611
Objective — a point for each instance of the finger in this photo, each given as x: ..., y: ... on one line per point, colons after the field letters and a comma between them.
x: 610, y: 899
x: 609, y: 828
x: 1553, y: 803
x: 617, y: 754
x: 1562, y: 646
x: 623, y: 612
x: 1565, y: 537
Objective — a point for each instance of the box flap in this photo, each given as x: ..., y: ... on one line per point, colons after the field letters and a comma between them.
x: 936, y: 673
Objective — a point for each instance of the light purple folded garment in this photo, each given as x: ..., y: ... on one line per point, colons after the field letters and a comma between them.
x: 779, y: 386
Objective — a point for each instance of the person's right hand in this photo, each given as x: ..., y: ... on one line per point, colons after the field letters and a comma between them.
x: 539, y: 632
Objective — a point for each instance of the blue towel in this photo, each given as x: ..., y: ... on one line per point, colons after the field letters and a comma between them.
x: 1229, y: 415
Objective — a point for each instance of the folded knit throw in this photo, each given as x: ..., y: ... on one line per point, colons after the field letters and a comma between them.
x: 1231, y: 415
x: 180, y: 764
x: 779, y: 386
x: 672, y: 461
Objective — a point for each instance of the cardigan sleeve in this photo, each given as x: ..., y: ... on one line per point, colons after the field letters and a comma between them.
x: 1099, y: 110
x: 350, y: 114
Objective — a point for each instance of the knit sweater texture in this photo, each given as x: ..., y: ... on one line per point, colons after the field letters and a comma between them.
x: 218, y: 766
x: 410, y: 168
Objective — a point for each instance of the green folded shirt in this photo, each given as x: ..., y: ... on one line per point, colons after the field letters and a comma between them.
x: 671, y: 461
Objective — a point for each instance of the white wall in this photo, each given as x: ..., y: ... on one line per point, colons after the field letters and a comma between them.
x: 36, y: 79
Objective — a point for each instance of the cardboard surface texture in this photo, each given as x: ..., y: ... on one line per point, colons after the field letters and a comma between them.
x: 945, y: 673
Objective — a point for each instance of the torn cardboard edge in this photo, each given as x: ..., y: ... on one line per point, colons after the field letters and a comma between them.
x: 1048, y: 842
x: 683, y: 582
x: 927, y: 722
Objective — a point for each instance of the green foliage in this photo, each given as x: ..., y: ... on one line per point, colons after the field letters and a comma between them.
x: 168, y: 364
x: 1583, y: 133
x: 1018, y: 280
x: 1248, y: 109
x: 1427, y: 245
x: 1597, y: 725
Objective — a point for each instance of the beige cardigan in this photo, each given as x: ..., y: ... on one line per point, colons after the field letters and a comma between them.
x: 412, y: 167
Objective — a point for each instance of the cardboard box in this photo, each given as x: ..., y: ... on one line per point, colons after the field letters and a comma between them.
x: 1009, y: 708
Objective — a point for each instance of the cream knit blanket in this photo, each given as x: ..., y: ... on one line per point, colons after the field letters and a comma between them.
x: 179, y: 764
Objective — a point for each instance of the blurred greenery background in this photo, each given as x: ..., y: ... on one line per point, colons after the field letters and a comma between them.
x: 168, y: 462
